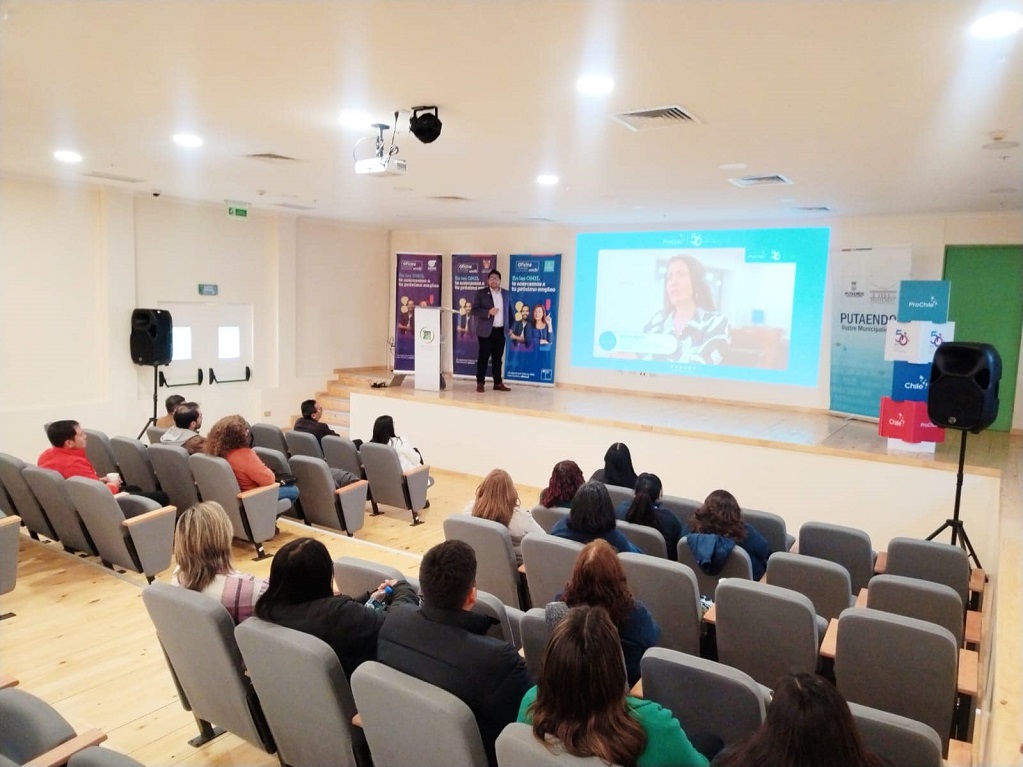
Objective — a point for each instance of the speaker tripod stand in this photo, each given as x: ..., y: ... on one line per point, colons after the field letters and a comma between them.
x: 958, y: 528
x: 152, y: 418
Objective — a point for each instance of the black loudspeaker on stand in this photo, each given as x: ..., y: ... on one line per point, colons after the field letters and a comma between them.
x: 963, y: 395
x: 151, y: 345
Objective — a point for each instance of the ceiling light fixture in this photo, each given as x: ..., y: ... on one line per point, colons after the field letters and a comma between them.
x: 187, y: 140
x: 997, y: 25
x: 594, y: 85
x: 67, y: 155
x: 427, y: 126
x: 547, y: 179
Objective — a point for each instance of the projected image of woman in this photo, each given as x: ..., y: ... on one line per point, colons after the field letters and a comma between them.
x: 689, y: 315
x: 540, y: 330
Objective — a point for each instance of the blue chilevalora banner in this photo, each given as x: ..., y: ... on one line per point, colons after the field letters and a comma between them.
x: 468, y: 274
x: 534, y: 285
x: 417, y: 283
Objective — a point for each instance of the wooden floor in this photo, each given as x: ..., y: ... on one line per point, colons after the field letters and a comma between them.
x: 82, y: 640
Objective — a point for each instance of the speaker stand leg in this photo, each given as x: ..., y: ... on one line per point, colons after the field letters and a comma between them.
x: 959, y: 535
x: 156, y: 386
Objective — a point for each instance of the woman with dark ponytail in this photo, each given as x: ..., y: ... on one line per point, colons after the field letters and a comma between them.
x: 644, y: 509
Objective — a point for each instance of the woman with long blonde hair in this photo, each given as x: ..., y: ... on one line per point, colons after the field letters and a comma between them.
x: 202, y: 551
x: 498, y: 500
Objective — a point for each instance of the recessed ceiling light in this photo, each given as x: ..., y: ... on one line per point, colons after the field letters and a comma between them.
x: 67, y: 155
x: 733, y: 166
x: 997, y: 25
x: 594, y: 85
x: 547, y: 179
x: 187, y: 140
x: 355, y: 119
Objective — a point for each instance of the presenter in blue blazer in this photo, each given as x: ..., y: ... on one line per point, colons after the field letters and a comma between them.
x: 491, y: 307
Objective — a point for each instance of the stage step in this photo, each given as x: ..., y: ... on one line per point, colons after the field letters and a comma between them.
x: 339, y: 403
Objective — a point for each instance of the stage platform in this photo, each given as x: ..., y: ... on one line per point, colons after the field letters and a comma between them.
x: 803, y: 465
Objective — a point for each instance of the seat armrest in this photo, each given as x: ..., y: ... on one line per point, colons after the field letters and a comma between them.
x: 418, y: 480
x: 7, y: 681
x: 14, y: 519
x: 259, y: 505
x: 145, y: 519
x: 152, y: 534
x: 353, y: 490
x: 254, y: 492
x: 60, y: 754
x: 515, y: 619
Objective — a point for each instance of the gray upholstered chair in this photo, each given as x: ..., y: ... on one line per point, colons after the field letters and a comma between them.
x: 197, y: 636
x: 497, y: 570
x: 408, y: 721
x: 920, y: 599
x: 931, y: 561
x: 619, y: 494
x: 129, y: 530
x: 354, y: 576
x: 153, y: 434
x: 682, y: 508
x: 253, y: 514
x: 389, y: 485
x: 23, y: 500
x: 509, y: 619
x: 51, y: 490
x: 100, y: 453
x: 898, y: 740
x: 549, y: 561
x: 647, y: 539
x: 268, y: 435
x: 274, y: 460
x: 766, y: 631
x: 535, y: 633
x: 845, y: 546
x: 703, y: 695
x: 170, y: 462
x: 915, y: 676
x: 322, y: 504
x: 303, y: 443
x: 341, y: 453
x: 670, y: 592
x: 772, y: 527
x: 548, y: 517
x: 134, y: 461
x: 9, y: 538
x: 305, y: 696
x: 825, y: 583
x: 518, y: 747
x: 97, y: 756
x: 32, y: 729
x: 737, y: 565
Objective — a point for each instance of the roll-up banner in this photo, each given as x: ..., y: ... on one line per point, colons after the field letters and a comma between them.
x: 534, y: 285
x: 417, y: 283
x: 865, y: 299
x: 468, y: 274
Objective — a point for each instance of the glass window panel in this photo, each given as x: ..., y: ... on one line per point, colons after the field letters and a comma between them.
x: 181, y: 343
x: 229, y: 339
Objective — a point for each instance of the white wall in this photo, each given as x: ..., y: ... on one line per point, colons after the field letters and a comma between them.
x: 927, y: 235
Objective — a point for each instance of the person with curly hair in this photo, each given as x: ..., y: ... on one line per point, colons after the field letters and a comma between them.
x: 498, y: 500
x: 566, y: 479
x: 598, y: 580
x: 580, y: 702
x: 231, y: 439
x: 718, y: 527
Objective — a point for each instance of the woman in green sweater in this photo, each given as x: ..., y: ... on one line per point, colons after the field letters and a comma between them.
x: 580, y: 702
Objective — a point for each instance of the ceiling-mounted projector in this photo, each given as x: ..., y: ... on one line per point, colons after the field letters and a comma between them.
x: 381, y: 166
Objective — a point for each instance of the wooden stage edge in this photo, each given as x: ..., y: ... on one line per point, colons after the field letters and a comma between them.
x: 787, y: 428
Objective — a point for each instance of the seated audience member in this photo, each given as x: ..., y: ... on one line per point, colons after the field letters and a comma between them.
x: 383, y: 434
x: 592, y: 516
x: 202, y: 551
x: 185, y: 431
x: 230, y: 439
x: 301, y: 597
x: 310, y: 423
x: 580, y: 701
x: 808, y: 723
x: 172, y: 402
x: 644, y: 509
x: 446, y: 645
x: 566, y: 479
x: 718, y: 527
x: 498, y: 500
x: 617, y: 469
x: 67, y: 457
x: 598, y: 580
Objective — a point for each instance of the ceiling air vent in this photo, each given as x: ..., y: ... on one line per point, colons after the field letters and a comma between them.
x: 759, y: 180
x: 448, y: 198
x: 272, y: 158
x: 113, y: 177
x: 658, y: 117
x: 294, y: 206
x: 813, y: 209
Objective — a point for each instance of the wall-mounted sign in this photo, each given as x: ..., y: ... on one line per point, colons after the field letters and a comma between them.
x: 208, y: 289
x: 239, y: 212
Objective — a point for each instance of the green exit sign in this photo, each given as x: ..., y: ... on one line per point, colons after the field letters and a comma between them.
x: 239, y: 212
x: 207, y: 289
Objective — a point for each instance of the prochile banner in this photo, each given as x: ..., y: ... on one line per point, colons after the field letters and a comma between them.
x: 417, y: 283
x: 534, y: 286
x: 468, y: 274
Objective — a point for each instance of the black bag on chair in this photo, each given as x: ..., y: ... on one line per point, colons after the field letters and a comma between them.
x: 285, y: 478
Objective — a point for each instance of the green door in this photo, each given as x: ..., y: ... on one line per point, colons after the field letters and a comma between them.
x: 986, y: 305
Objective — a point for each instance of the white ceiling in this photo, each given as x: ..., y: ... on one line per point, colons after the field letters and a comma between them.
x: 870, y: 108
